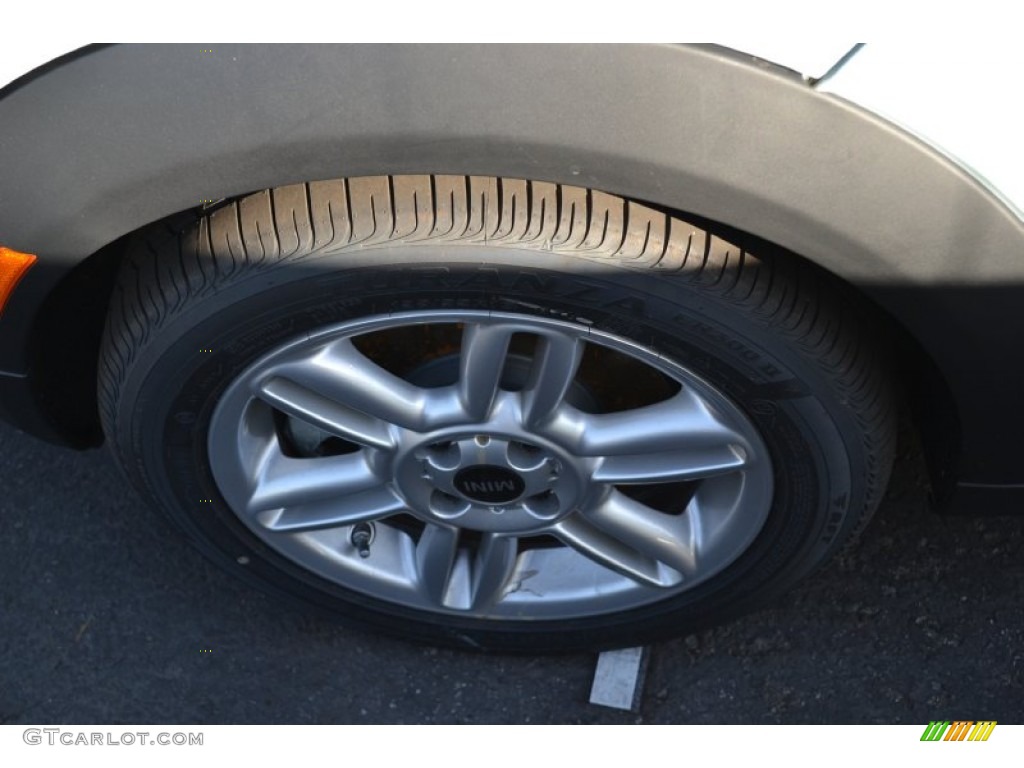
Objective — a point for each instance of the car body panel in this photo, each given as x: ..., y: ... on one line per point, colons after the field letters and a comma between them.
x: 965, y: 105
x: 22, y: 56
x: 126, y: 135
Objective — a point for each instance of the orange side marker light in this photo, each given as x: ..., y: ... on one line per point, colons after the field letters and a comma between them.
x: 13, y: 266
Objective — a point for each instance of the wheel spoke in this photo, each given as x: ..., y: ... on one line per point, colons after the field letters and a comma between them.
x: 712, y: 508
x: 670, y: 466
x: 342, y: 374
x: 283, y: 481
x: 484, y: 349
x: 436, y: 554
x: 676, y: 439
x: 451, y: 577
x: 668, y: 539
x: 680, y: 422
x: 555, y: 365
x: 592, y: 542
x: 367, y: 506
x: 299, y: 402
x: 492, y: 567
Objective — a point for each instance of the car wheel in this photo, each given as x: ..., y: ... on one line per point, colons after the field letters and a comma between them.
x: 494, y: 413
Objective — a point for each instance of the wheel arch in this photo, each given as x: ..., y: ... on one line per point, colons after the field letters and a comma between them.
x: 144, y: 132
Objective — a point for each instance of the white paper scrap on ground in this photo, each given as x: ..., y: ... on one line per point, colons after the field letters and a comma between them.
x: 618, y: 678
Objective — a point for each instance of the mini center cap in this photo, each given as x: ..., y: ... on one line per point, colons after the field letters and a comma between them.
x: 489, y: 484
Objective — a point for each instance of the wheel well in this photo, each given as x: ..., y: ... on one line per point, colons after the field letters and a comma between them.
x: 925, y: 398
x: 66, y: 339
x: 689, y: 127
x: 64, y: 347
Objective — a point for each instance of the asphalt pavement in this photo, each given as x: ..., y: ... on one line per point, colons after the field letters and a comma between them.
x: 107, y: 615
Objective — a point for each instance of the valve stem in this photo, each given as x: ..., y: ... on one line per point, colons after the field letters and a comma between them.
x: 362, y: 535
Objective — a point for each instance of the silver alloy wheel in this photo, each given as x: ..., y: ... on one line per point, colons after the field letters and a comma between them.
x: 480, y: 498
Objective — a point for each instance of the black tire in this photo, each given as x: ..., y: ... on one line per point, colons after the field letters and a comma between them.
x: 203, y: 296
